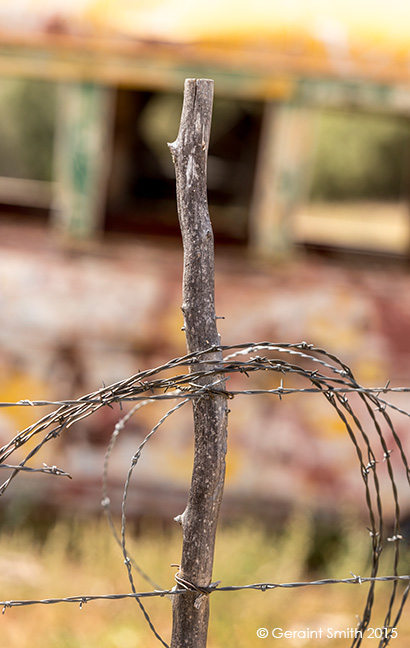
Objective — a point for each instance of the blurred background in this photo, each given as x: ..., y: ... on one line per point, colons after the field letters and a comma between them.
x: 308, y: 185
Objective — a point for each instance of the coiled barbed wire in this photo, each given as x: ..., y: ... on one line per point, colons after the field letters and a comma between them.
x: 367, y: 417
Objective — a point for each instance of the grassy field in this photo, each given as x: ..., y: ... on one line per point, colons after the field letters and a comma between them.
x: 80, y: 558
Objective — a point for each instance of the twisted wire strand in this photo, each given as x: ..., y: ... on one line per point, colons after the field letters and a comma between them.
x: 263, y: 587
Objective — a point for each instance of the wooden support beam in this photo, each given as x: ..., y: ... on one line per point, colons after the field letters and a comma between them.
x: 282, y: 177
x: 82, y: 158
x: 26, y: 193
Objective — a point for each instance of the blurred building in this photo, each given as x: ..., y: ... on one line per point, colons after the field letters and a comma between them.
x: 120, y: 69
x: 80, y: 307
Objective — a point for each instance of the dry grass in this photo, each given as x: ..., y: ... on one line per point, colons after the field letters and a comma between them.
x: 79, y: 558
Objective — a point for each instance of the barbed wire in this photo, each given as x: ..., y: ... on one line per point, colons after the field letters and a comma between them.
x: 263, y: 587
x: 48, y: 470
x: 367, y: 422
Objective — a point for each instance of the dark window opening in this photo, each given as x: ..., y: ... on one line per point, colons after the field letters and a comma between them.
x: 141, y: 189
x: 27, y: 124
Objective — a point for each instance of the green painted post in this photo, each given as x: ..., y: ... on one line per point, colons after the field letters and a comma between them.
x: 282, y: 177
x: 82, y: 158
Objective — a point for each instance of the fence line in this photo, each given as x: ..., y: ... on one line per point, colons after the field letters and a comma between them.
x: 263, y: 587
x: 366, y: 420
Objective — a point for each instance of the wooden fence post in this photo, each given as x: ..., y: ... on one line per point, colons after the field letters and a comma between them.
x: 199, y: 520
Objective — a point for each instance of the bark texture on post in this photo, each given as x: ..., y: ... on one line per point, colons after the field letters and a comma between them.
x: 199, y: 520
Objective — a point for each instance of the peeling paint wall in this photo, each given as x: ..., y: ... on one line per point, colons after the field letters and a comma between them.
x: 71, y: 321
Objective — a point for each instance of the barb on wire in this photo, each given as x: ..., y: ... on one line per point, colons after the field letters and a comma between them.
x: 364, y: 412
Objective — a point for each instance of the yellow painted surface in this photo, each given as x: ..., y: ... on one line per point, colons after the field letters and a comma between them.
x: 342, y: 26
x: 17, y: 385
x: 316, y: 36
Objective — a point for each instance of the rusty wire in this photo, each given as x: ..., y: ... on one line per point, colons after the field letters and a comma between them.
x: 365, y: 413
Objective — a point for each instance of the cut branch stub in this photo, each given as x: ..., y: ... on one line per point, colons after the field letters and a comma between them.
x: 199, y: 520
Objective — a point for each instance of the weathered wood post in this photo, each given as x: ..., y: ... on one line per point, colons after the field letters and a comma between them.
x: 199, y: 520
